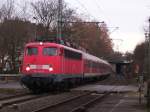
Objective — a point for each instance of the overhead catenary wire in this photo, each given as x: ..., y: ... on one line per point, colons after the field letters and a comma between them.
x: 83, y: 6
x: 97, y: 5
x: 100, y: 8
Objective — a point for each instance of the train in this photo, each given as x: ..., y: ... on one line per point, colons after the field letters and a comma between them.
x: 47, y: 66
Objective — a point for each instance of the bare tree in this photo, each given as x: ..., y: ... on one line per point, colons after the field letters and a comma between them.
x: 14, y: 31
x: 45, y: 12
x: 92, y: 37
x: 7, y: 10
x: 13, y: 35
x: 23, y: 10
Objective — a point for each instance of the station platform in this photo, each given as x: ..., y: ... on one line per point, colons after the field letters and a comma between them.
x: 124, y: 98
x: 121, y: 103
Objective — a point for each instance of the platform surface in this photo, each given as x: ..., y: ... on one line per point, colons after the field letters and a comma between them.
x: 108, y: 88
x: 127, y: 102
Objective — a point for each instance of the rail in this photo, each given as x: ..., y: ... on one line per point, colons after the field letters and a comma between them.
x: 90, y: 103
x: 13, y: 101
x: 61, y: 103
x: 74, y: 103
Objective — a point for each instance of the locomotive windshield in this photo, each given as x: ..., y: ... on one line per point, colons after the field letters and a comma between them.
x: 50, y: 51
x: 32, y: 51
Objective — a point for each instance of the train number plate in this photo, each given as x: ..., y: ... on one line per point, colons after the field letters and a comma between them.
x: 39, y: 66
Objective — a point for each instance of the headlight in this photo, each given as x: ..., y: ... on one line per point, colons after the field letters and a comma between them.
x: 27, y: 68
x: 51, y: 69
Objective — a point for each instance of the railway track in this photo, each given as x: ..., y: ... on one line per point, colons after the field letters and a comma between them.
x: 13, y: 96
x: 11, y: 100
x: 90, y: 103
x: 51, y: 103
x: 28, y: 102
x: 74, y: 104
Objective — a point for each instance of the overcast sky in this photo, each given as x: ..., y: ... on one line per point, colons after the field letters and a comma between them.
x: 129, y: 15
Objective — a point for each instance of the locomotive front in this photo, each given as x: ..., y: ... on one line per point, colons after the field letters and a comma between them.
x: 40, y: 64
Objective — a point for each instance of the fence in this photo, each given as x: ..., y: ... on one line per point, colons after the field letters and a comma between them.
x: 7, y: 77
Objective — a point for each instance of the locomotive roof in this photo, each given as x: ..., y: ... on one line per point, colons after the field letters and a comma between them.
x: 51, y: 44
x: 39, y: 43
x: 85, y: 55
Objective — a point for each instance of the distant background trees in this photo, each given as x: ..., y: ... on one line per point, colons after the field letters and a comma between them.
x: 92, y: 36
x: 139, y: 55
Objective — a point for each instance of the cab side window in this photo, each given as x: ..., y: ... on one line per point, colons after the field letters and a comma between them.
x: 50, y: 51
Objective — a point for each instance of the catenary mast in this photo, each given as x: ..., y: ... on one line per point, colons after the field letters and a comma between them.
x: 59, y: 22
x: 147, y: 64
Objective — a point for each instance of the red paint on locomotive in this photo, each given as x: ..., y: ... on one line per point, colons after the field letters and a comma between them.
x: 36, y: 60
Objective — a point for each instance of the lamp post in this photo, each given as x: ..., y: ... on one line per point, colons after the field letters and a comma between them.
x: 147, y: 64
x: 148, y: 80
x: 36, y: 23
x: 149, y: 49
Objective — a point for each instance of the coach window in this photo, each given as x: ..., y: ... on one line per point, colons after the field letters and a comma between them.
x: 50, y: 51
x: 72, y: 54
x: 31, y: 51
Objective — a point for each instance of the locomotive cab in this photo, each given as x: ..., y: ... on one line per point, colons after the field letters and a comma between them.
x: 41, y: 58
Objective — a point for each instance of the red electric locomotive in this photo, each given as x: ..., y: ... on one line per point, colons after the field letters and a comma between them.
x: 49, y: 65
